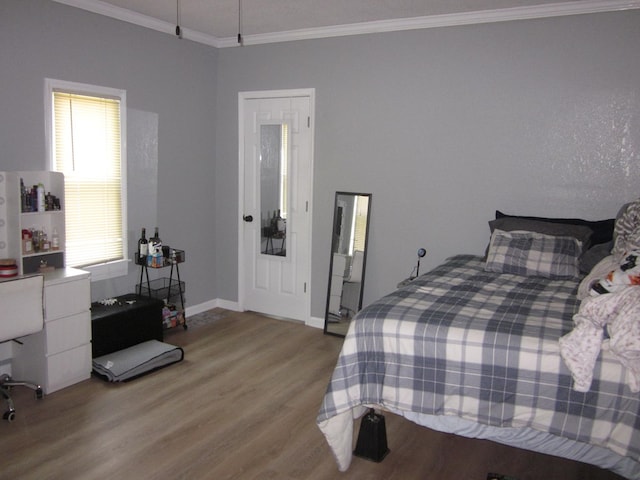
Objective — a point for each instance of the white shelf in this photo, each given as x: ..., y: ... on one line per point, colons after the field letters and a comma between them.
x: 13, y: 220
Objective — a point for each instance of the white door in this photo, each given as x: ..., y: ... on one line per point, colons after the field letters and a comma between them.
x: 275, y: 199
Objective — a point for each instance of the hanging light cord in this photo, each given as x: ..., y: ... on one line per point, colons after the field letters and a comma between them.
x: 240, y: 40
x: 178, y: 29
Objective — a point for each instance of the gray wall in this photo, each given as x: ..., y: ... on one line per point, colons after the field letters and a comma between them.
x: 443, y: 126
x: 170, y: 87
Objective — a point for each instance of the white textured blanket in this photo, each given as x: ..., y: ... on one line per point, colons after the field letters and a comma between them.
x: 620, y: 313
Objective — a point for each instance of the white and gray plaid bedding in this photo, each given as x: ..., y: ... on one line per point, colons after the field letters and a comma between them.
x: 483, y: 346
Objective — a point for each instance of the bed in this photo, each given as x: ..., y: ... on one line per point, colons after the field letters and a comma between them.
x: 474, y: 350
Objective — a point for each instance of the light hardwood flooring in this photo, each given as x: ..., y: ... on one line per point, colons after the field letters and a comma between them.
x: 242, y: 405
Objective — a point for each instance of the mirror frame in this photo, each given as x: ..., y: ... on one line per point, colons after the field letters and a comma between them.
x: 334, y: 234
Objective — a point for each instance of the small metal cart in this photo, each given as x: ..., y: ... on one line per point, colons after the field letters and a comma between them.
x: 165, y: 288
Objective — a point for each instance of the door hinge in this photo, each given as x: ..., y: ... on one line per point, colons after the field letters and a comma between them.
x: 306, y: 206
x: 305, y: 287
x: 308, y: 122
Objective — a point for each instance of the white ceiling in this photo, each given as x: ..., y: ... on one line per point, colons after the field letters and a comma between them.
x: 217, y: 22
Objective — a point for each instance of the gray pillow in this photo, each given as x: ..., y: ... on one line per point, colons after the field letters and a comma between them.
x: 594, y: 255
x: 581, y: 233
x: 602, y: 229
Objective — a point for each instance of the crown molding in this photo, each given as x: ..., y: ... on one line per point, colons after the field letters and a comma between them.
x: 434, y: 21
x: 119, y: 13
x: 415, y: 23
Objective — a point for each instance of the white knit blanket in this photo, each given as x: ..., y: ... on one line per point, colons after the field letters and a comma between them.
x: 619, y: 312
x: 614, y: 305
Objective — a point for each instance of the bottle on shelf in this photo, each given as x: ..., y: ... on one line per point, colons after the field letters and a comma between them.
x: 35, y: 239
x: 27, y: 242
x: 55, y: 239
x: 48, y: 201
x: 280, y: 223
x: 45, y: 245
x: 155, y: 250
x: 143, y: 247
x: 33, y: 199
x: 154, y: 242
x: 40, y: 197
x: 23, y: 197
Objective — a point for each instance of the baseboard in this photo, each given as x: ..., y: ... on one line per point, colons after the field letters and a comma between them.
x: 210, y: 304
x: 229, y: 305
x: 315, y: 322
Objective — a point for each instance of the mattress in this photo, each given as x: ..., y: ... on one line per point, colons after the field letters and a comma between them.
x: 483, y: 347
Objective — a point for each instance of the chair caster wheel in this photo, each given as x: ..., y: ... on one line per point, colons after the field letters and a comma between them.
x: 39, y: 393
x: 9, y: 416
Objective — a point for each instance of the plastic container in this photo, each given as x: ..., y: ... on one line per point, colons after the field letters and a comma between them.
x: 8, y: 268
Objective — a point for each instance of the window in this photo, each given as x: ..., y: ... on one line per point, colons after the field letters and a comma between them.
x: 359, y: 224
x: 86, y: 140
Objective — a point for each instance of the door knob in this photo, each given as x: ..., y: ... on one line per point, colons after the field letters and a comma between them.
x: 247, y: 218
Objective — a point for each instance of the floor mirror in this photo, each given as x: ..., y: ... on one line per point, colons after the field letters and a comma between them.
x: 351, y: 214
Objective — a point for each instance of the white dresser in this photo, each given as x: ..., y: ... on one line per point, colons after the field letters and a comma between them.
x: 60, y: 355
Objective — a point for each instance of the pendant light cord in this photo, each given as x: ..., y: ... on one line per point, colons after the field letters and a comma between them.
x: 178, y: 29
x: 240, y: 40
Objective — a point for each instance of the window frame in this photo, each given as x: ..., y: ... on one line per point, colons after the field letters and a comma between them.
x: 116, y: 268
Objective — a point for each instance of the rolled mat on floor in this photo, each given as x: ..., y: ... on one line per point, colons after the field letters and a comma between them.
x: 137, y: 360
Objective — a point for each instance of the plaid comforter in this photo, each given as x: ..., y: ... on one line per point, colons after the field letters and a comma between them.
x: 482, y: 346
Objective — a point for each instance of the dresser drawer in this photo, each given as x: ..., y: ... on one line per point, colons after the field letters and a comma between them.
x: 336, y: 285
x: 67, y: 298
x: 66, y: 368
x: 69, y: 332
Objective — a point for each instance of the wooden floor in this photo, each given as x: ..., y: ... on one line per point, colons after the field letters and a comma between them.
x: 242, y: 405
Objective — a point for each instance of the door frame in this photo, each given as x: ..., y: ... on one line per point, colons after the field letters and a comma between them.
x: 265, y: 94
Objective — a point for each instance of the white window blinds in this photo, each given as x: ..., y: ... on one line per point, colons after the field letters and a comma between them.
x: 360, y: 224
x: 87, y: 149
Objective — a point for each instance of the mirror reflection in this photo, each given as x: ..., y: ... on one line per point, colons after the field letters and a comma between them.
x: 348, y: 258
x: 274, y: 159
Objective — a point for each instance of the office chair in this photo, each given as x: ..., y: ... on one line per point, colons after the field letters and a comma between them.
x: 21, y: 314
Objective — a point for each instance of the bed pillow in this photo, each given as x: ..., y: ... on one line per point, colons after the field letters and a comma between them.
x: 594, y: 255
x: 602, y: 230
x: 581, y: 233
x: 533, y: 254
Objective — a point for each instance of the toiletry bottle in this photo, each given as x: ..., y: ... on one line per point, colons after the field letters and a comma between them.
x: 40, y: 201
x: 55, y: 239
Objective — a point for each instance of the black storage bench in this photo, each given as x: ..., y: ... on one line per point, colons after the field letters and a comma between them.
x: 131, y: 320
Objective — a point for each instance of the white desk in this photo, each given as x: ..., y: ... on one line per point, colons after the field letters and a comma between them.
x: 59, y: 355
